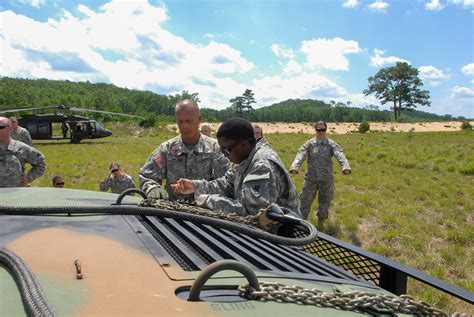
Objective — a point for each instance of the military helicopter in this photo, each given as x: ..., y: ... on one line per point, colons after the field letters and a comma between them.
x: 60, y: 126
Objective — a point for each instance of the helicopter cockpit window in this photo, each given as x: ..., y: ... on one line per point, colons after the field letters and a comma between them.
x: 92, y: 126
x: 32, y: 127
x: 43, y: 127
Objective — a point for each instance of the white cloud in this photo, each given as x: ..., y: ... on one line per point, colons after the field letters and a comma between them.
x: 432, y: 75
x: 462, y: 93
x: 468, y: 69
x: 379, y: 60
x: 305, y: 85
x: 329, y: 53
x: 33, y: 3
x: 379, y: 6
x: 278, y: 50
x: 122, y: 43
x: 209, y: 36
x: 350, y: 4
x: 434, y: 5
x: 292, y: 67
x: 466, y: 4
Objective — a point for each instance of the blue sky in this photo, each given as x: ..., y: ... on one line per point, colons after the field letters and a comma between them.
x: 281, y: 49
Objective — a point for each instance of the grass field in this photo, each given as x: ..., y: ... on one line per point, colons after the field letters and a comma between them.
x: 410, y: 196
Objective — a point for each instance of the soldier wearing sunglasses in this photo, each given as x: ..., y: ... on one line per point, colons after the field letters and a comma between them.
x: 257, y: 179
x: 319, y: 176
x: 13, y: 158
x: 117, y: 180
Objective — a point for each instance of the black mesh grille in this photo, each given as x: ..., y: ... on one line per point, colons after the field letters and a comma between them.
x: 359, y: 265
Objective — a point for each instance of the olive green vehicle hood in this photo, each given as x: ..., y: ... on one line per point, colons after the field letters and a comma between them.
x: 128, y: 271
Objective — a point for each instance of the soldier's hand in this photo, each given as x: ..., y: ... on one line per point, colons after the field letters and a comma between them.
x: 293, y: 172
x: 24, y: 180
x: 346, y: 171
x: 158, y: 193
x: 183, y: 186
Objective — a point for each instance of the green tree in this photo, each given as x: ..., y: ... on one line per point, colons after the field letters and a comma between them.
x: 187, y: 95
x: 237, y: 104
x: 399, y: 85
x: 364, y: 126
x: 249, y: 99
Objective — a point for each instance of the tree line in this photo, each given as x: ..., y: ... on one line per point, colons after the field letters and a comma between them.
x: 16, y: 92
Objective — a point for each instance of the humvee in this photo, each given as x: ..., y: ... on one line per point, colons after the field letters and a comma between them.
x: 108, y: 260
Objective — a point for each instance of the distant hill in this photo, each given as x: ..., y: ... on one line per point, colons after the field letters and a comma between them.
x: 308, y: 110
x: 16, y: 92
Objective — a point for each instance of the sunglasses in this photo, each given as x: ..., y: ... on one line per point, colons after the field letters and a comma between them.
x: 227, y: 149
x: 3, y: 127
x: 113, y: 171
x: 321, y: 130
x: 60, y: 184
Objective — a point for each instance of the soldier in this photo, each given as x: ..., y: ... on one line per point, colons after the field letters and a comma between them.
x: 257, y: 180
x: 258, y: 132
x: 319, y: 178
x: 18, y: 133
x: 190, y: 154
x: 117, y: 180
x: 58, y: 181
x: 13, y: 157
x: 206, y: 129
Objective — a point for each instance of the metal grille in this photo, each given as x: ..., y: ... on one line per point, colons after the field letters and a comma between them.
x: 357, y: 264
x: 176, y: 253
x: 195, y: 246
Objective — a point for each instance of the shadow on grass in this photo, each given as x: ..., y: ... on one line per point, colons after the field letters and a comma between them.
x: 334, y: 229
x: 63, y: 143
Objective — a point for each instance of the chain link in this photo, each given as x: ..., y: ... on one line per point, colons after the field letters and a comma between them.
x: 185, y: 207
x: 352, y: 301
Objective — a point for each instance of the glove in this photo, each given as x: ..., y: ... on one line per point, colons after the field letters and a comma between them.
x: 158, y: 193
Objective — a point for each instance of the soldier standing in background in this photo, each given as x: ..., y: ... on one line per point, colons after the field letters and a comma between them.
x: 13, y: 157
x: 319, y: 176
x: 190, y: 154
x: 257, y: 180
x: 258, y: 132
x: 18, y: 133
x: 206, y: 129
x: 117, y: 180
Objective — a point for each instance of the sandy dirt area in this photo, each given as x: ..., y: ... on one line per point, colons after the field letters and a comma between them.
x: 344, y: 128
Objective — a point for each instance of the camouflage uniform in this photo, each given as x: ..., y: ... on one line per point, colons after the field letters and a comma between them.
x: 251, y: 185
x: 319, y: 176
x: 22, y: 135
x: 174, y: 159
x: 118, y: 184
x: 13, y: 157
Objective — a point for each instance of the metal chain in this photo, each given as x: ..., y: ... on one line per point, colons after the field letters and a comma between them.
x: 353, y: 301
x: 185, y: 207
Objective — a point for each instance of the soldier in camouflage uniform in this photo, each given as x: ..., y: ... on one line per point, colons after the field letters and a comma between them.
x: 257, y: 179
x: 13, y: 157
x: 18, y: 133
x: 319, y: 176
x: 117, y: 180
x: 191, y: 155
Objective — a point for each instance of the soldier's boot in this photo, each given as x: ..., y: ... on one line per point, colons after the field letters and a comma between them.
x: 321, y: 224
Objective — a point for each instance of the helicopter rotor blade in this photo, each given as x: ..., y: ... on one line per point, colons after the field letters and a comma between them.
x: 105, y: 112
x: 31, y: 108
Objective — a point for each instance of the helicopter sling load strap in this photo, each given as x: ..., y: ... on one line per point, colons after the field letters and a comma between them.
x: 251, y: 231
x: 352, y: 301
x: 31, y: 291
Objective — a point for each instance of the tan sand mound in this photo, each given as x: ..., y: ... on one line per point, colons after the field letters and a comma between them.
x: 343, y: 128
